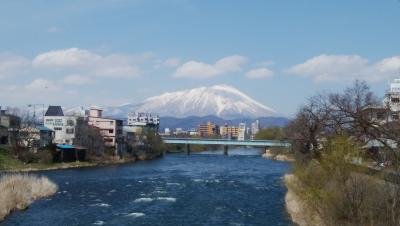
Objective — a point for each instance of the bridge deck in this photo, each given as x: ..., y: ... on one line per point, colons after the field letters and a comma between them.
x: 259, y: 143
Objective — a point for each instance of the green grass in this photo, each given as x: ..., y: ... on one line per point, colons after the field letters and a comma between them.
x: 9, y: 163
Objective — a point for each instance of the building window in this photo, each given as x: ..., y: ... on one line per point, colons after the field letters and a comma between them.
x: 108, y: 139
x: 395, y: 100
x: 58, y: 122
x: 70, y: 122
x: 110, y: 131
x: 57, y: 128
x: 395, y: 117
x: 49, y: 121
x: 70, y: 130
x: 380, y: 116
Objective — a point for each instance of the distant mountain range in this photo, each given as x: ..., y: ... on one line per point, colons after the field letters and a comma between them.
x: 193, y: 122
x: 221, y: 100
x: 187, y: 109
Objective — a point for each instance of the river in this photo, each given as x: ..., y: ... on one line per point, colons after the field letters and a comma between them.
x: 205, y: 188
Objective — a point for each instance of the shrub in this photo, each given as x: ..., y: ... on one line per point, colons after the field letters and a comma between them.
x: 343, y: 193
x: 28, y: 157
x: 41, y: 156
x: 18, y: 191
x: 44, y: 156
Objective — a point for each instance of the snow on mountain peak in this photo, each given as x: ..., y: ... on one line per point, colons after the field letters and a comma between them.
x: 220, y: 100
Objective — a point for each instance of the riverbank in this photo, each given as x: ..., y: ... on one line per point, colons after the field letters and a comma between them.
x: 278, y: 155
x: 298, y: 210
x: 10, y: 164
x: 19, y: 191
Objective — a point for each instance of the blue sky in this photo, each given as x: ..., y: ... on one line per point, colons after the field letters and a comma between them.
x: 109, y: 52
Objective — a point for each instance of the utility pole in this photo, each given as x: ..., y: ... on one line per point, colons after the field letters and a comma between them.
x: 34, y: 111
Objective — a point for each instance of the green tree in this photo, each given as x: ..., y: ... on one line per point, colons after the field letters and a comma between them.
x: 273, y: 133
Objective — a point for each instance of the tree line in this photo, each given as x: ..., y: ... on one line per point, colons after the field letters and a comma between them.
x: 331, y: 136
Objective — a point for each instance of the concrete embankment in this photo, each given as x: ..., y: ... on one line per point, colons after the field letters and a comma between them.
x: 296, y: 207
x: 18, y: 191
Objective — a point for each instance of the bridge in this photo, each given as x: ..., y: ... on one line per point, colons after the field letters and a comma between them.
x: 225, y: 142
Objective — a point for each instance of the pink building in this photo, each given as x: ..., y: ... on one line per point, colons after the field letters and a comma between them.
x: 110, y: 129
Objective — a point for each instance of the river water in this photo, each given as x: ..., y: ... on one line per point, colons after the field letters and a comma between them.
x: 207, y: 188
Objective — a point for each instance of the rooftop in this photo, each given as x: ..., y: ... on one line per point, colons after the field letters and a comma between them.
x: 54, y: 111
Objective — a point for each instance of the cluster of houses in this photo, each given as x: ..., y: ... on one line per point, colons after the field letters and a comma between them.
x: 62, y: 130
x: 209, y: 129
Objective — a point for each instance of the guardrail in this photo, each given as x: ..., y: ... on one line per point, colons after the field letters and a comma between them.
x: 262, y: 143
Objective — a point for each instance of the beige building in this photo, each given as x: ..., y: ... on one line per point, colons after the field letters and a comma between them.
x: 110, y: 129
x: 229, y: 131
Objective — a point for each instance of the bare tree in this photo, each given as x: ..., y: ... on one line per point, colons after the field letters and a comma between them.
x: 22, y: 129
x: 307, y: 128
x: 89, y: 137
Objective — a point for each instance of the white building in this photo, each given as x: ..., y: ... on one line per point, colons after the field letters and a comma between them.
x: 393, y: 97
x: 143, y: 119
x: 167, y: 131
x: 255, y: 127
x: 63, y: 126
x: 242, y: 131
x: 179, y: 131
x: 390, y: 110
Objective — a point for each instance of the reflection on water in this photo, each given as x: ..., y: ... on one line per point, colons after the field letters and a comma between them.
x: 205, y: 188
x: 234, y: 151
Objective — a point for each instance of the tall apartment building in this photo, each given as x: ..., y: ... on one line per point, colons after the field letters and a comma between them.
x: 229, y: 132
x: 255, y: 127
x: 209, y: 129
x: 242, y: 131
x: 110, y: 129
x: 390, y: 110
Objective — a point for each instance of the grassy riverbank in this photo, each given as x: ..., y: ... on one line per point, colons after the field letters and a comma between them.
x: 19, y: 191
x: 333, y: 191
x: 8, y: 162
x: 298, y: 209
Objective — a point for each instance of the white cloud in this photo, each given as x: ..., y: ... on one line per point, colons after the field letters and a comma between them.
x: 172, y: 62
x: 259, y: 73
x: 116, y: 66
x: 76, y: 79
x: 230, y: 63
x: 84, y: 61
x: 41, y: 85
x: 12, y: 65
x: 65, y: 58
x: 346, y: 67
x: 196, y: 69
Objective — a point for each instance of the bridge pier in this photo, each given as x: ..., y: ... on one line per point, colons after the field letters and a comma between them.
x: 225, y: 149
x: 188, y: 149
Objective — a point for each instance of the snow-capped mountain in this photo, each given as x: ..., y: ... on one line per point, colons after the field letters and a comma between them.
x: 221, y: 100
